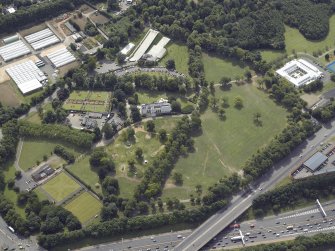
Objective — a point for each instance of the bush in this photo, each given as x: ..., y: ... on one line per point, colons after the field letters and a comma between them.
x: 187, y: 109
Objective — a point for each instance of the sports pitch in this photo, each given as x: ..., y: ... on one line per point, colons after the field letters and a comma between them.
x: 60, y: 186
x: 88, y: 101
x: 84, y: 207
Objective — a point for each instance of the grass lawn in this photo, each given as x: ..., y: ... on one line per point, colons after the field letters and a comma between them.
x: 216, y: 68
x: 154, y: 96
x: 127, y: 187
x: 167, y: 123
x: 34, y: 150
x: 121, y: 153
x: 34, y: 118
x: 84, y: 207
x: 83, y: 170
x: 41, y: 194
x: 9, y: 173
x: 225, y: 145
x: 294, y: 40
x: 61, y: 186
x: 179, y: 53
x: 89, y: 96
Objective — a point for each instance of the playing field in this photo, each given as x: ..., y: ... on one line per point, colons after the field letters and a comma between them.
x: 61, y: 186
x: 154, y: 96
x: 88, y: 101
x: 225, y: 145
x: 216, y: 68
x: 34, y: 150
x: 179, y: 53
x: 84, y: 207
x: 8, y: 96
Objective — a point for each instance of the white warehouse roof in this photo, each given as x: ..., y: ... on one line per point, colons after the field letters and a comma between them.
x: 42, y: 39
x: 300, y: 72
x: 27, y: 76
x: 13, y: 50
x: 61, y: 57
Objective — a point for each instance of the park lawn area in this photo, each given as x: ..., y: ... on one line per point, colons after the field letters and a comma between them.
x: 215, y: 68
x: 9, y: 173
x: 166, y: 123
x: 271, y: 55
x: 95, y: 108
x: 101, y: 96
x: 8, y: 94
x: 41, y: 194
x: 179, y: 53
x: 34, y: 150
x: 34, y: 118
x: 127, y: 187
x: 82, y: 169
x: 154, y: 96
x: 121, y: 153
x: 84, y: 207
x: 78, y: 95
x: 61, y: 186
x: 225, y: 145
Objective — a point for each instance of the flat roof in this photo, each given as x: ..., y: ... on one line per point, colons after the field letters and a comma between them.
x: 314, y: 162
x: 308, y: 72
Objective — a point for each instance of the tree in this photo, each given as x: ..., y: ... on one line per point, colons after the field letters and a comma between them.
x: 139, y: 153
x: 248, y: 75
x: 130, y: 133
x: 238, y: 102
x: 131, y: 166
x: 97, y: 134
x: 224, y: 102
x: 175, y: 106
x: 178, y: 178
x: 18, y: 174
x: 110, y: 186
x: 170, y: 64
x: 73, y: 47
x: 225, y: 83
x: 121, y: 58
x: 49, y: 117
x: 257, y: 120
x: 213, y: 103
x: 150, y: 126
x: 109, y: 130
x: 112, y: 5
x: 222, y: 113
x: 135, y: 114
x: 327, y: 57
x: 108, y: 212
x: 91, y: 63
x: 162, y: 134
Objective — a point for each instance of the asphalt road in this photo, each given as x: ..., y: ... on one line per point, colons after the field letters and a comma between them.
x: 215, y: 224
x: 12, y: 241
x: 307, y: 221
x: 156, y: 242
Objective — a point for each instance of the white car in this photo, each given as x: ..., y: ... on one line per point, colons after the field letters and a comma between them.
x: 179, y: 236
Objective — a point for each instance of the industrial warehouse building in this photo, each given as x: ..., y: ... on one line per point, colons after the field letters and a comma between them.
x: 13, y: 50
x: 61, y: 57
x: 11, y: 39
x: 42, y: 39
x: 315, y: 162
x: 27, y: 76
x: 300, y: 72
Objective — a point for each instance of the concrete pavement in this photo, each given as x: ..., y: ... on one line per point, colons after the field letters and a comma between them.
x: 215, y: 224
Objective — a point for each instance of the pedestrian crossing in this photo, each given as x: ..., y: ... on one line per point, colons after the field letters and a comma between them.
x: 313, y: 211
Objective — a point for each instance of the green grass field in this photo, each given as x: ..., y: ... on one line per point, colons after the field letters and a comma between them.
x: 84, y: 207
x: 86, y: 95
x: 216, y: 68
x: 167, y: 123
x: 61, y: 186
x: 225, y: 145
x: 179, y: 53
x: 154, y: 96
x: 34, y: 150
x: 295, y: 41
x: 83, y: 170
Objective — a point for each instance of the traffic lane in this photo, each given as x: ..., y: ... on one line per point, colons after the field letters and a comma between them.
x: 203, y: 234
x: 167, y: 240
x: 275, y: 228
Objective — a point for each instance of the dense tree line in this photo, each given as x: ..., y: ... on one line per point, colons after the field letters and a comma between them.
x: 9, y: 141
x: 286, y: 196
x: 65, y: 154
x: 56, y: 132
x: 325, y: 113
x: 178, y: 143
x: 278, y: 148
x: 119, y: 226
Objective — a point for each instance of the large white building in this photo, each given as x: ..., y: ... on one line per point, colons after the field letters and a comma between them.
x: 300, y: 72
x: 27, y: 76
x: 155, y: 109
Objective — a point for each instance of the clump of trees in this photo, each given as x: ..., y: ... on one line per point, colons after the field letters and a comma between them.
x: 101, y: 162
x: 65, y: 154
x: 287, y: 196
x: 325, y: 113
x: 314, y: 86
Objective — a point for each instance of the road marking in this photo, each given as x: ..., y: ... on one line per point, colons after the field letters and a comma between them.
x: 300, y: 214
